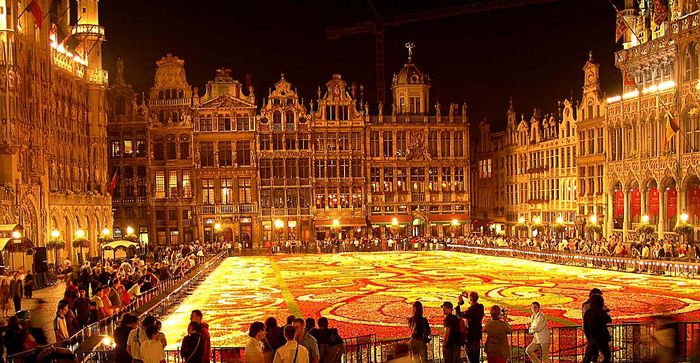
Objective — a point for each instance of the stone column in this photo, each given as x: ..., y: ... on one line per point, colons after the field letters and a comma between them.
x: 662, y: 210
x: 609, y: 214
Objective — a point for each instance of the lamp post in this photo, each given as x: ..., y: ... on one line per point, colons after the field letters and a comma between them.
x: 455, y: 226
x: 593, y: 226
x: 559, y: 227
x: 80, y: 242
x: 683, y: 228
x: 103, y: 239
x: 521, y: 225
x: 395, y: 227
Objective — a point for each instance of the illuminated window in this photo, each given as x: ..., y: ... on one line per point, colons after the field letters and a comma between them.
x: 160, y: 184
x: 401, y: 143
x: 208, y: 191
x: 375, y: 179
x: 459, y: 179
x: 172, y: 183
x: 388, y: 144
x: 128, y: 148
x: 344, y: 168
x: 245, y: 195
x: 186, y: 184
x: 115, y: 150
x: 446, y: 179
x: 226, y: 191
x: 388, y: 180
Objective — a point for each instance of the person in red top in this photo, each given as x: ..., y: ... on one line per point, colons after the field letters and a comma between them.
x: 196, y: 317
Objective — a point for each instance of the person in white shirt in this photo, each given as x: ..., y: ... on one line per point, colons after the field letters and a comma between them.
x: 292, y: 352
x: 254, y: 347
x: 152, y: 349
x: 540, y: 335
x: 137, y: 337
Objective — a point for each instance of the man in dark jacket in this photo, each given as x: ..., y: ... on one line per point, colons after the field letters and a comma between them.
x: 595, y: 327
x: 330, y: 344
x: 192, y: 348
x: 474, y: 316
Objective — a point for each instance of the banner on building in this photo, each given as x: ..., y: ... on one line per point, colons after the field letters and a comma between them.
x: 672, y: 196
x: 636, y: 202
x: 653, y: 202
x: 619, y: 203
x: 694, y: 201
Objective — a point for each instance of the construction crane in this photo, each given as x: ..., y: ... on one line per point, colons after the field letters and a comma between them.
x: 377, y: 27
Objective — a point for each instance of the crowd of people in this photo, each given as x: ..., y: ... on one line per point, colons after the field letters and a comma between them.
x: 94, y: 291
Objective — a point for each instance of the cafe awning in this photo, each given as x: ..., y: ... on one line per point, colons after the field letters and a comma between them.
x: 343, y: 222
x: 389, y: 219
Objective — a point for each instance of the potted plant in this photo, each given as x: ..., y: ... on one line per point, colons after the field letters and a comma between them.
x: 55, y: 245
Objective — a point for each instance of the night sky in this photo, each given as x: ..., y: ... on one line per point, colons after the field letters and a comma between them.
x: 533, y: 53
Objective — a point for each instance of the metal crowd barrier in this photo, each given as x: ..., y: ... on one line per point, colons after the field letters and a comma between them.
x: 567, y: 345
x: 671, y: 268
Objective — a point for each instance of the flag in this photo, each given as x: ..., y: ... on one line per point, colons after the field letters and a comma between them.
x: 660, y: 12
x: 628, y: 79
x: 35, y: 9
x: 113, y: 183
x: 671, y: 128
x: 621, y: 27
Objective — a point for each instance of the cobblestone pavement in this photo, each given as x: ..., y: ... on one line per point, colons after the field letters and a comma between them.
x: 43, y: 314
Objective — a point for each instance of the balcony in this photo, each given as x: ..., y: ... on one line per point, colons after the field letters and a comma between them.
x: 418, y: 197
x: 207, y: 209
x: 246, y: 208
x: 227, y: 208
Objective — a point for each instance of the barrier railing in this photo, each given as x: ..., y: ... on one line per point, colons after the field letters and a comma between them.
x: 107, y: 325
x: 672, y: 268
x: 567, y: 344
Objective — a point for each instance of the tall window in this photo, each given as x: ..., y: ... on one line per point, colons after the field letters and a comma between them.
x: 245, y: 196
x: 303, y: 141
x: 331, y: 141
x: 290, y: 142
x: 265, y: 171
x: 291, y: 166
x: 172, y: 183
x: 206, y: 153
x: 401, y: 143
x: 225, y: 153
x: 332, y: 168
x: 344, y: 168
x: 356, y: 168
x: 356, y: 141
x: 388, y: 144
x: 375, y: 179
x: 303, y: 168
x: 433, y: 143
x: 277, y: 169
x: 415, y: 104
x: 208, y: 191
x: 446, y: 179
x: 243, y: 122
x: 459, y: 179
x: 115, y: 149
x: 320, y: 169
x: 401, y: 179
x: 184, y: 150
x: 205, y: 124
x: 226, y: 191
x: 243, y: 153
x: 417, y: 179
x: 344, y: 141
x: 158, y: 151
x: 186, y: 184
x: 459, y: 143
x: 445, y: 143
x: 388, y: 180
x: 374, y: 144
x: 160, y: 184
x: 128, y: 148
x: 276, y: 142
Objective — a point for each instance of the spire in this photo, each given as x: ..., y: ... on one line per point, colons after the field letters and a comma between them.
x: 410, y: 47
x: 119, y: 78
x: 511, y: 108
x: 590, y: 56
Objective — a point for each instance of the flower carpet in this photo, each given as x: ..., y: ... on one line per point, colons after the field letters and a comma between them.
x: 372, y: 293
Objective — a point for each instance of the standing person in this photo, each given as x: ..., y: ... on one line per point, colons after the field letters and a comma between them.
x: 254, y: 346
x: 28, y: 285
x: 4, y: 297
x: 587, y: 304
x: 121, y: 336
x: 475, y: 317
x: 291, y: 352
x: 497, y: 330
x: 330, y: 344
x: 420, y: 333
x: 152, y: 349
x: 451, y: 345
x: 16, y: 291
x: 60, y: 327
x: 192, y: 348
x: 81, y: 306
x: 595, y: 327
x: 137, y: 337
x: 196, y: 316
x: 306, y: 340
x: 274, y: 338
x: 540, y: 335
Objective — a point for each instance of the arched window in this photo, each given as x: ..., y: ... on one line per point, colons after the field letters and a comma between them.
x: 289, y: 119
x: 277, y: 121
x: 691, y: 125
x: 690, y: 63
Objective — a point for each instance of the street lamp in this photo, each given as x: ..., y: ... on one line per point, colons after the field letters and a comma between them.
x: 594, y: 219
x: 537, y: 219
x: 55, y: 234
x: 105, y: 232
x: 684, y: 217
x: 79, y: 234
x: 645, y: 219
x: 55, y: 244
x: 129, y: 230
x: 521, y: 219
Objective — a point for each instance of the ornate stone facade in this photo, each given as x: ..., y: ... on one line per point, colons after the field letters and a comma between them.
x: 54, y: 132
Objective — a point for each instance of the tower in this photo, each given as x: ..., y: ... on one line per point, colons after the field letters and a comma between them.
x: 91, y: 35
x: 410, y: 87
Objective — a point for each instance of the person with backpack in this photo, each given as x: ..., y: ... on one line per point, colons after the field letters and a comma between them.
x: 474, y: 316
x: 420, y: 334
x: 452, y: 338
x: 137, y: 337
